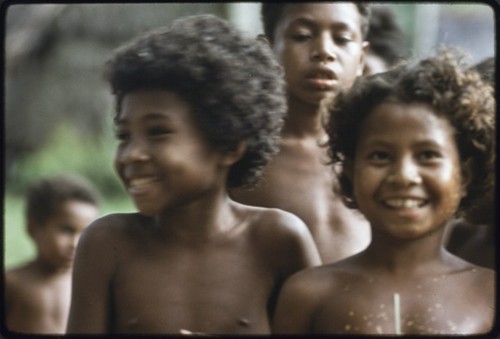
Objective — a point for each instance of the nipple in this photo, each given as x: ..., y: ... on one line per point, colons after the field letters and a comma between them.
x: 243, y: 322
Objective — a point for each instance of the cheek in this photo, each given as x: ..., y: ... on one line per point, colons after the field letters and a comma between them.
x: 365, y: 182
x: 453, y: 192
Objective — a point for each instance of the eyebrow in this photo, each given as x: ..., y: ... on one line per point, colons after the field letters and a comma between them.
x: 147, y: 117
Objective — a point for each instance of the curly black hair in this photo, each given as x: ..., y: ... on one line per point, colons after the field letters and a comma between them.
x: 271, y: 13
x: 486, y: 69
x: 455, y: 92
x: 233, y: 84
x: 386, y: 37
x: 45, y: 196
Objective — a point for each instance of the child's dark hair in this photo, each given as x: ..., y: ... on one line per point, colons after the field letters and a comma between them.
x: 454, y: 92
x: 233, y: 84
x: 486, y: 68
x: 386, y: 38
x: 271, y: 13
x: 45, y: 196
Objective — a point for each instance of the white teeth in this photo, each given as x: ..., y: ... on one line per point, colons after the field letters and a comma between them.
x: 404, y: 203
x: 141, y: 182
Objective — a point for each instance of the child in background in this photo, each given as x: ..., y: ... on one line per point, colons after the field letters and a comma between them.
x: 199, y: 109
x: 321, y: 47
x: 415, y: 145
x: 387, y: 41
x: 37, y: 294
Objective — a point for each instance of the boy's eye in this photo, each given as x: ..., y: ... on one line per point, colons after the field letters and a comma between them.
x: 158, y: 131
x: 122, y: 135
x: 301, y: 37
x: 342, y: 39
x: 67, y: 229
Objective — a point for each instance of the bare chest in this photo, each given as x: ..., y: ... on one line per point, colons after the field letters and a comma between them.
x: 197, y: 291
x: 430, y: 307
x: 40, y: 308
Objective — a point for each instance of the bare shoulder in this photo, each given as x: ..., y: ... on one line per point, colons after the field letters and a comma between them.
x: 17, y: 277
x: 113, y: 228
x: 108, y: 237
x: 275, y: 223
x: 282, y: 238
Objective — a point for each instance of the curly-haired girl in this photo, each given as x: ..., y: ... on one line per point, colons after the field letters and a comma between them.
x: 199, y: 109
x: 413, y: 147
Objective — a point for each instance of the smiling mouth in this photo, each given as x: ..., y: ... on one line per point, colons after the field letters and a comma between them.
x: 138, y: 185
x: 405, y: 203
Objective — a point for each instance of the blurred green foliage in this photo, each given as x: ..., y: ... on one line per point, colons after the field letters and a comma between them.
x: 70, y: 151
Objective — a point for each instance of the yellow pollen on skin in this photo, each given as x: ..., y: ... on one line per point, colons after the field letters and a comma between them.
x: 378, y: 329
x: 351, y: 313
x: 409, y: 323
x: 347, y: 327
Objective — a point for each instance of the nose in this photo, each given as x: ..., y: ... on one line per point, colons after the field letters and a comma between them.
x: 405, y: 172
x: 132, y: 151
x: 323, y: 49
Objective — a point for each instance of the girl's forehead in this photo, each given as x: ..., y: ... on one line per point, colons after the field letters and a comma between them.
x: 406, y: 120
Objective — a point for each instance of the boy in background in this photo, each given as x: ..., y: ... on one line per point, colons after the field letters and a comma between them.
x: 199, y: 109
x: 321, y: 47
x: 38, y: 293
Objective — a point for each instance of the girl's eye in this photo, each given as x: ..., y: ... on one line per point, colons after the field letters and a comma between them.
x: 429, y: 155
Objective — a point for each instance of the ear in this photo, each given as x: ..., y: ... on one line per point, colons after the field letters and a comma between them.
x: 364, y: 49
x: 467, y: 175
x: 232, y: 156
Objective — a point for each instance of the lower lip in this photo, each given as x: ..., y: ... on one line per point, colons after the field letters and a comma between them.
x: 321, y: 84
x: 407, y: 213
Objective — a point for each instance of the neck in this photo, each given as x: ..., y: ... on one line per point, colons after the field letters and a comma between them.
x: 303, y: 120
x: 199, y: 220
x: 46, y: 268
x: 406, y: 257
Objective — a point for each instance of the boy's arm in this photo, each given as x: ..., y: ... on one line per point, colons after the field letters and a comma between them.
x: 92, y: 277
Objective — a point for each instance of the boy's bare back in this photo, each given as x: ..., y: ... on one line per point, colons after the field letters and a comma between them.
x: 219, y: 283
x: 350, y: 298
x: 37, y: 301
